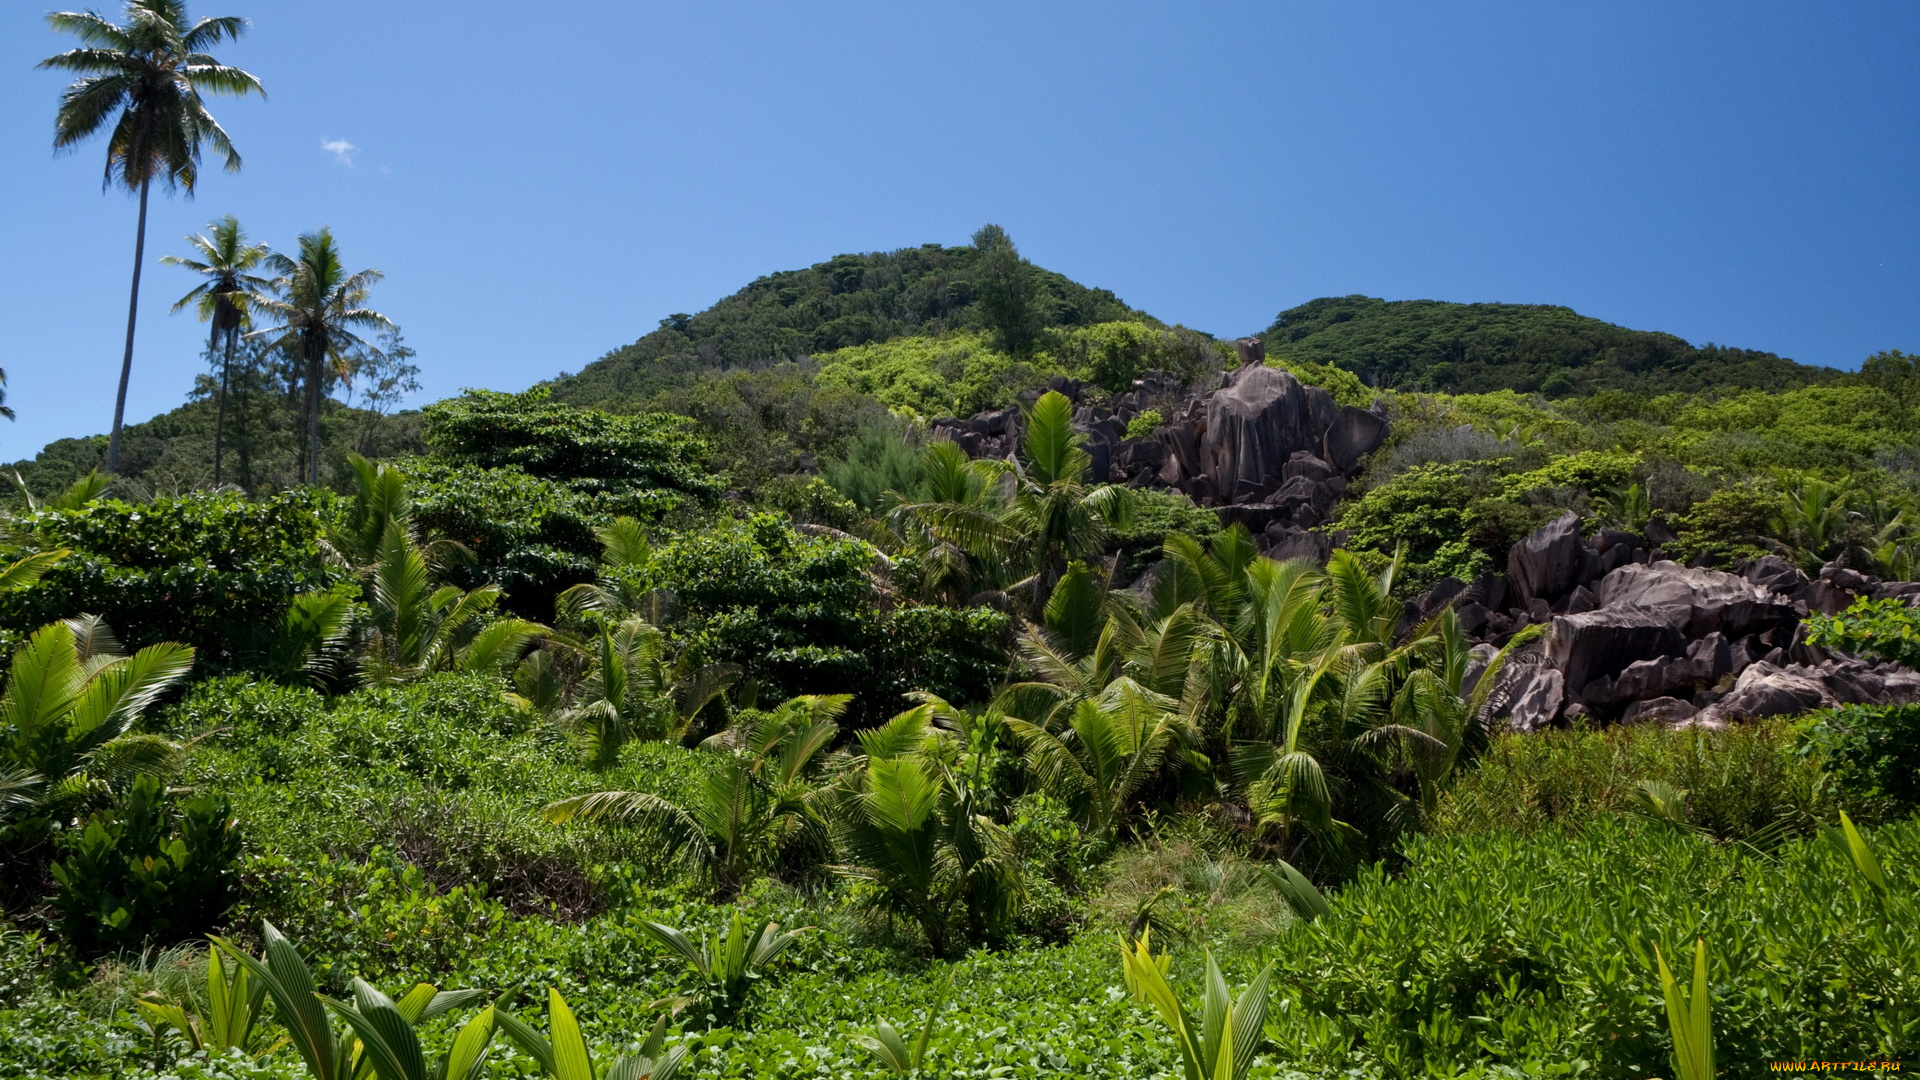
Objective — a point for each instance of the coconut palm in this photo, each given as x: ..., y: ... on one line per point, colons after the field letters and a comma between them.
x: 317, y: 306
x: 1053, y: 510
x: 142, y: 82
x: 72, y: 697
x: 226, y: 265
x: 759, y: 800
x: 417, y: 629
x: 4, y: 409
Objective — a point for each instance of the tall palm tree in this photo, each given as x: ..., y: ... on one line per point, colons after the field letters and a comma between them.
x: 4, y: 410
x: 318, y: 305
x: 145, y: 79
x: 225, y: 265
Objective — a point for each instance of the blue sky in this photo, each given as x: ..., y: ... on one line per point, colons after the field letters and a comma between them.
x: 540, y: 190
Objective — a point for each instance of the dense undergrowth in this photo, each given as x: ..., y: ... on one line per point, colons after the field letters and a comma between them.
x: 748, y: 649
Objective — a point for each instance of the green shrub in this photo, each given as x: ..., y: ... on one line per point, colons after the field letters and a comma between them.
x: 1533, y: 954
x: 1886, y: 629
x: 1728, y: 525
x: 1871, y: 754
x: 150, y: 870
x: 215, y: 571
x: 955, y: 374
x: 1145, y: 424
x: 800, y: 615
x: 1737, y: 781
x: 591, y: 450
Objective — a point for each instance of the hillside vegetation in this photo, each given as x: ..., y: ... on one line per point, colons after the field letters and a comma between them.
x: 1433, y: 345
x: 701, y: 715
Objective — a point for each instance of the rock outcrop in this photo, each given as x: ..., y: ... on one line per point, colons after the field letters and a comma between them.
x: 1264, y: 450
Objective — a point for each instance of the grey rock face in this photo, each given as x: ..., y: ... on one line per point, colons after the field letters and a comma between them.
x: 1697, y: 601
x: 1601, y: 644
x: 1531, y: 698
x: 1767, y: 689
x: 1661, y: 710
x: 1551, y: 561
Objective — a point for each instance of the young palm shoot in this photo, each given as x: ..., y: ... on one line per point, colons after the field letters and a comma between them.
x: 728, y: 964
x: 1222, y: 1046
x: 565, y: 1056
x: 904, y: 1052
x: 231, y: 1017
x: 1689, y: 1017
x: 392, y: 1053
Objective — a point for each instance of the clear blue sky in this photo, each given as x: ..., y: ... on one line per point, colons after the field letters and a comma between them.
x: 540, y: 189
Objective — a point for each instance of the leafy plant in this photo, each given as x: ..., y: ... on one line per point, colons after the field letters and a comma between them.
x: 905, y: 1052
x: 727, y: 965
x: 70, y: 702
x: 1225, y: 1041
x: 230, y: 1019
x: 566, y: 1057
x: 380, y: 1036
x: 146, y: 870
x: 757, y: 798
x: 1689, y: 1017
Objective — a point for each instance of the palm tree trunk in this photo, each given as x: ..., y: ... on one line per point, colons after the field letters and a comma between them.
x: 313, y: 418
x: 133, y: 310
x: 220, y: 420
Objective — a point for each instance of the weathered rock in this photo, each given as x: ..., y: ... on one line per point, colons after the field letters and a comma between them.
x: 1768, y: 689
x: 1664, y: 710
x: 1256, y: 422
x: 1531, y: 697
x: 1353, y: 435
x: 1601, y: 644
x: 1776, y: 574
x: 1697, y: 601
x: 1308, y: 545
x: 1551, y: 561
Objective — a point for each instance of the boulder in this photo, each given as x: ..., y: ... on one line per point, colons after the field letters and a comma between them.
x: 1697, y: 601
x: 1531, y: 696
x: 1770, y: 689
x: 1353, y: 435
x: 1307, y: 545
x: 1775, y: 574
x: 1663, y: 710
x: 1551, y: 561
x: 1596, y: 645
x: 1256, y: 422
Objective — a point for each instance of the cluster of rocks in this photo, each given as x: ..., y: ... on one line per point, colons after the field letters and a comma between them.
x: 1264, y: 450
x: 1634, y: 637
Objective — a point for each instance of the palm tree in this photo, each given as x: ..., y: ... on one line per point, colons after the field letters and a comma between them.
x: 225, y: 262
x: 4, y: 410
x: 318, y: 305
x: 760, y: 800
x: 1060, y: 517
x: 146, y: 79
x: 72, y: 697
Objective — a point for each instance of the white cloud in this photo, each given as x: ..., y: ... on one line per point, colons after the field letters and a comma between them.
x: 342, y: 149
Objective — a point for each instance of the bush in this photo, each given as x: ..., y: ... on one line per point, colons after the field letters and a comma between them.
x: 1737, y: 781
x: 1532, y: 955
x: 151, y: 870
x: 800, y: 614
x: 592, y: 451
x: 214, y: 571
x: 1871, y: 754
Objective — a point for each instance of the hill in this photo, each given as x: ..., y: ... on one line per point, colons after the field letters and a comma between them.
x: 1479, y: 348
x: 846, y: 301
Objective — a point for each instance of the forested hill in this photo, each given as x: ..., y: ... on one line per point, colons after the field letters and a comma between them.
x: 847, y: 300
x: 1476, y: 348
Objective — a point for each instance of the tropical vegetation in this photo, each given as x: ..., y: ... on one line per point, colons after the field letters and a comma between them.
x: 703, y: 713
